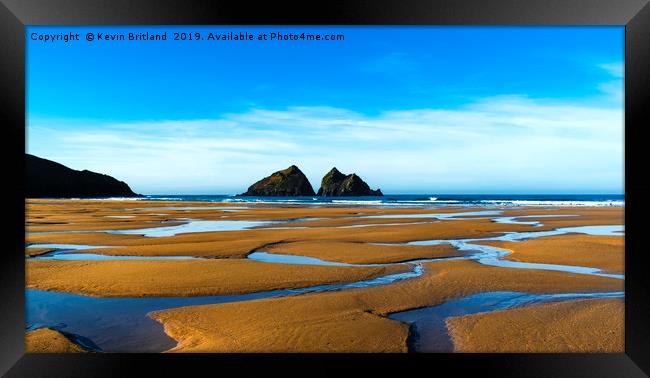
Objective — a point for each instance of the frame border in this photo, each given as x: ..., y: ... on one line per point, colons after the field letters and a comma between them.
x: 634, y: 14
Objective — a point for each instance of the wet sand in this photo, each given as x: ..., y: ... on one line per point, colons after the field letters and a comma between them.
x: 141, y: 278
x: 249, y: 240
x: 341, y: 244
x: 46, y: 340
x: 353, y: 320
x: 603, y: 252
x: 585, y: 326
x: 70, y: 215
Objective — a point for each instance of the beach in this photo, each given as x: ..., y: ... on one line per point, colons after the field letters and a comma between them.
x: 327, y: 277
x: 588, y: 326
x: 46, y: 340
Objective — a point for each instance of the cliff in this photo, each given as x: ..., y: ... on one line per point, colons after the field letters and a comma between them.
x: 49, y: 179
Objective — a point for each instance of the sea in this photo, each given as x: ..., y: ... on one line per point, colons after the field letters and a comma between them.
x: 400, y: 200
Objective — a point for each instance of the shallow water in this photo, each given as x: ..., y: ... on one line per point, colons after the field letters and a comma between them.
x: 428, y: 329
x: 189, y: 226
x: 493, y: 256
x: 69, y: 247
x: 70, y: 252
x: 349, y: 226
x: 292, y: 259
x: 483, y: 254
x: 423, y: 199
x: 613, y: 230
x: 468, y: 215
x: 279, y: 258
x: 489, y: 255
x: 122, y: 324
x: 193, y: 226
x: 193, y: 208
x: 516, y: 219
x: 71, y: 256
x: 434, y: 215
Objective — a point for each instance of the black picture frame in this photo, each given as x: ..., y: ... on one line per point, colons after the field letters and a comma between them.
x: 634, y: 14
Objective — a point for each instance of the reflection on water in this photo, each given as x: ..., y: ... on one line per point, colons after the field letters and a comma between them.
x: 189, y: 226
x: 436, y: 215
x: 194, y: 226
x: 614, y: 230
x: 192, y: 208
x: 292, y: 259
x: 69, y: 247
x: 122, y: 324
x: 516, y: 219
x: 306, y: 260
x: 70, y: 252
x: 70, y: 256
x: 489, y: 255
x: 428, y: 328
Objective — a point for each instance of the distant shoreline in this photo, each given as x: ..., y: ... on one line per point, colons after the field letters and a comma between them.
x: 583, y: 200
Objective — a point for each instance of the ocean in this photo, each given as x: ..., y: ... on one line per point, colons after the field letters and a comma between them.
x: 617, y: 200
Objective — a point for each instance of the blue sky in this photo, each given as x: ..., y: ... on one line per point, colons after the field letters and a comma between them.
x: 409, y: 109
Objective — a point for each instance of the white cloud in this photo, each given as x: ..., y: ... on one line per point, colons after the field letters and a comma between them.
x: 512, y: 142
x: 615, y: 69
x: 613, y: 89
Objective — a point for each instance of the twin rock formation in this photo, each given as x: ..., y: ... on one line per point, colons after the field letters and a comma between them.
x: 336, y: 184
x: 292, y: 182
x: 46, y: 178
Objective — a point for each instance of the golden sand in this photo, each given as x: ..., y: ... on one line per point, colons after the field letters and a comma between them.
x: 373, y: 234
x: 586, y: 326
x: 237, y: 244
x: 338, y: 244
x: 46, y: 340
x: 603, y: 252
x: 66, y: 215
x: 353, y: 320
x: 342, y: 321
x: 142, y: 278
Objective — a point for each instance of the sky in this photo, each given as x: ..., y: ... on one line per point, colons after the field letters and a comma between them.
x: 412, y: 110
